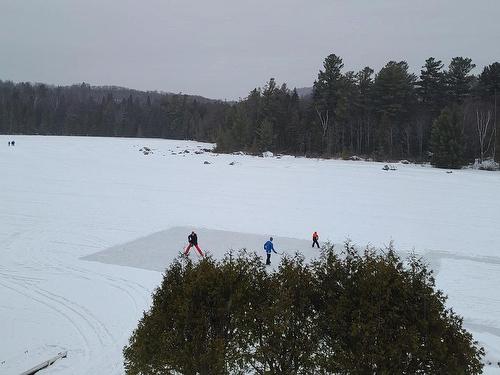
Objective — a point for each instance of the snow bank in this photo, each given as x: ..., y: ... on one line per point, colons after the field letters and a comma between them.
x: 486, y: 165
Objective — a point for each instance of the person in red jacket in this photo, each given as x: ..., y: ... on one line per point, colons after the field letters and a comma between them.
x: 315, y: 239
x: 193, y: 241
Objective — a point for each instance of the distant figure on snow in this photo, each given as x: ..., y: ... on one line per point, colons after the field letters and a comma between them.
x: 268, y: 246
x: 193, y: 241
x: 9, y: 143
x: 12, y: 143
x: 315, y: 239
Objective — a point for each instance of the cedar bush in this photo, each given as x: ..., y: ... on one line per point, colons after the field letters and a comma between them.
x: 353, y: 312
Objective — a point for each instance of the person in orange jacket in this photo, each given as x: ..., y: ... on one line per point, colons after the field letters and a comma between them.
x: 315, y: 239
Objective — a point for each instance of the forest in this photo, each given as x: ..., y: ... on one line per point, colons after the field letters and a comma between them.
x: 446, y: 114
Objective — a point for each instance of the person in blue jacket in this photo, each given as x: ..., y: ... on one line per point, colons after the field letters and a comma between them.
x: 268, y: 246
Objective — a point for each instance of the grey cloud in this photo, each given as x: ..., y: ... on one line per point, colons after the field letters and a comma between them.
x: 224, y: 48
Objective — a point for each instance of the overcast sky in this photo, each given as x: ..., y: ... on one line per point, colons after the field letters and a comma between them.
x: 224, y: 48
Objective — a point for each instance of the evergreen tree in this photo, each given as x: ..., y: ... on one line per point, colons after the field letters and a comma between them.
x: 293, y: 132
x: 285, y: 338
x: 459, y: 79
x: 200, y: 318
x: 446, y: 139
x: 326, y: 95
x: 394, y: 99
x: 365, y: 111
x: 356, y: 313
x: 431, y: 86
x: 377, y: 316
x: 431, y: 90
x: 489, y: 81
x: 265, y: 136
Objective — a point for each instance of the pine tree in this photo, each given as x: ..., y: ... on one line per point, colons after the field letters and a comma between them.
x: 365, y: 115
x: 459, y: 79
x: 446, y: 139
x: 326, y: 96
x: 394, y: 100
x: 431, y: 86
x: 265, y: 136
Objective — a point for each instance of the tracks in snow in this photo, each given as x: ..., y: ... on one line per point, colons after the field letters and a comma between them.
x: 93, y: 336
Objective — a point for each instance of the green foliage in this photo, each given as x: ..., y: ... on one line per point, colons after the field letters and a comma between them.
x: 380, y: 315
x: 106, y: 111
x: 348, y: 313
x: 197, y: 322
x: 489, y: 81
x: 345, y: 155
x: 394, y: 90
x: 328, y: 86
x: 330, y: 99
x: 265, y: 136
x: 224, y: 142
x: 459, y: 79
x: 394, y: 98
x: 446, y: 139
x: 432, y: 85
x: 285, y: 336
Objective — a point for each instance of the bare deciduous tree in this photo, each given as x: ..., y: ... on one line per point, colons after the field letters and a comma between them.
x: 483, y: 120
x: 324, y: 121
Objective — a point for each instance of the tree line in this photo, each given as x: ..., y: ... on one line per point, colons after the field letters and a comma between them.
x: 27, y: 108
x: 393, y: 114
x: 345, y: 313
x: 388, y: 115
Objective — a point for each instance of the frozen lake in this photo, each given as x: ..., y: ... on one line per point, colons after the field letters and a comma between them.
x: 87, y: 225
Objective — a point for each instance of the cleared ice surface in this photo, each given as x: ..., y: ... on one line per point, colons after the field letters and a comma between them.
x: 156, y: 251
x: 63, y: 198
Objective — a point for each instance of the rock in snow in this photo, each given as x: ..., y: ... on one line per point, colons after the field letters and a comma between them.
x: 146, y: 150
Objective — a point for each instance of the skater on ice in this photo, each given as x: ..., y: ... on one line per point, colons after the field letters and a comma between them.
x: 268, y: 247
x: 193, y: 241
x: 315, y: 239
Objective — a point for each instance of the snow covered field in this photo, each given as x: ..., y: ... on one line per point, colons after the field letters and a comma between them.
x: 65, y: 198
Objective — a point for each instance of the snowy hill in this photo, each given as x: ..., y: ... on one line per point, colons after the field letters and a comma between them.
x: 66, y: 200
